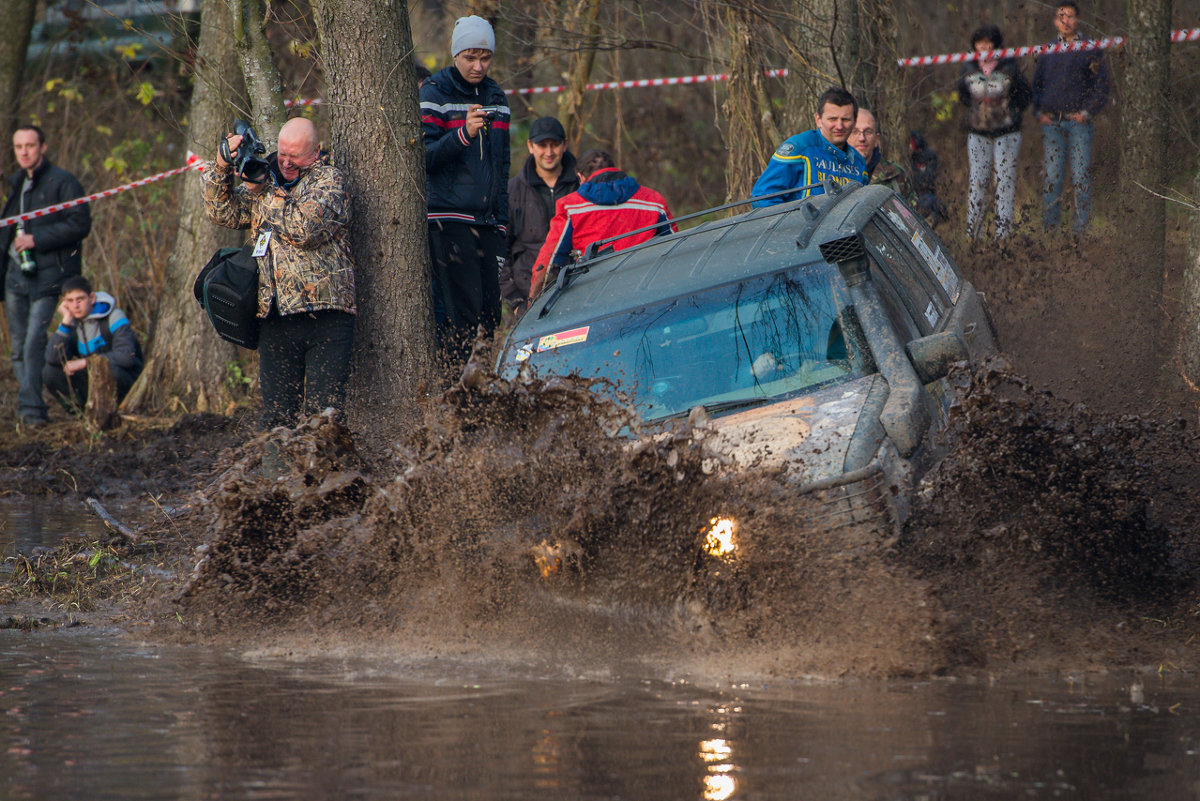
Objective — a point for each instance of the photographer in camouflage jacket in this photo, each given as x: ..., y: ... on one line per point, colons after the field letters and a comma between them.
x: 299, y: 221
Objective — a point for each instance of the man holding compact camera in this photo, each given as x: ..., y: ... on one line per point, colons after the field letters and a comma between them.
x: 37, y: 256
x: 465, y: 117
x: 297, y: 207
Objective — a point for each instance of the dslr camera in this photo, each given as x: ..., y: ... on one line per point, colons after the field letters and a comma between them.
x: 248, y: 163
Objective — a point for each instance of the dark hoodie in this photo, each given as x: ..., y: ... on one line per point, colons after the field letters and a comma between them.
x: 529, y: 221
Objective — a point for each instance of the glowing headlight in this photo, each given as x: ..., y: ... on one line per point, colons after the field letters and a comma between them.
x: 719, y: 539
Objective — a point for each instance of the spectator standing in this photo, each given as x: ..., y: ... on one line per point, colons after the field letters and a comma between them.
x: 40, y: 254
x: 548, y: 175
x: 818, y: 155
x: 299, y: 220
x: 91, y: 324
x: 608, y: 203
x: 995, y: 92
x: 465, y: 117
x: 865, y: 139
x: 1069, y: 89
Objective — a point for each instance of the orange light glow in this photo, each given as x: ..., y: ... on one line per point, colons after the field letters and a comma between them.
x: 719, y: 540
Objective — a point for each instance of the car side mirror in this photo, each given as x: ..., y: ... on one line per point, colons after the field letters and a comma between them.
x: 932, y: 356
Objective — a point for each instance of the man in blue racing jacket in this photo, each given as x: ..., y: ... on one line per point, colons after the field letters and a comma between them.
x: 815, y: 156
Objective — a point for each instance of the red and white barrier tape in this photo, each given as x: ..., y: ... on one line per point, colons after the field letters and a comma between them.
x: 1186, y: 35
x: 194, y: 162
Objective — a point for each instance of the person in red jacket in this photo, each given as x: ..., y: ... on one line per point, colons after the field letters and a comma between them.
x: 608, y: 203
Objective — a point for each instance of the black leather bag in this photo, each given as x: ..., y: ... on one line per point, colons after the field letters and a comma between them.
x: 227, y: 290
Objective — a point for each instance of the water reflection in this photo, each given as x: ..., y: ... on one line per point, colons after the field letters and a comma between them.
x: 90, y: 716
x: 36, y: 521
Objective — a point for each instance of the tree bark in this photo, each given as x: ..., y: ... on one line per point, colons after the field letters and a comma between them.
x: 1144, y: 125
x: 817, y: 38
x: 368, y: 56
x: 14, y: 44
x: 258, y: 68
x: 1190, y: 302
x: 750, y: 136
x: 583, y: 17
x: 187, y: 362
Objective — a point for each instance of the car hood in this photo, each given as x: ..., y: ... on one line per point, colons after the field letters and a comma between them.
x: 806, y: 437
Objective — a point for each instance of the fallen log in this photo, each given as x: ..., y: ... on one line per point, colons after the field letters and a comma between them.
x: 110, y: 522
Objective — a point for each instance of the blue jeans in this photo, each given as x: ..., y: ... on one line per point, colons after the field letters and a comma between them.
x: 1066, y: 141
x: 28, y: 319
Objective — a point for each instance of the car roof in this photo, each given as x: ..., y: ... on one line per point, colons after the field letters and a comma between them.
x: 760, y: 241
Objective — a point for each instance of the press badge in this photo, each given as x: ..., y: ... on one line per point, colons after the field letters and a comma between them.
x: 260, y: 244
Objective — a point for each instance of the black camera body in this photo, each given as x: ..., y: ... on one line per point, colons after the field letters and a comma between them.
x: 248, y: 163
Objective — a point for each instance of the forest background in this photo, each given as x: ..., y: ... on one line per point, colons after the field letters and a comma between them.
x: 121, y: 106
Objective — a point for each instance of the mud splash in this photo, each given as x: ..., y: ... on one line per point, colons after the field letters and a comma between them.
x: 514, y: 521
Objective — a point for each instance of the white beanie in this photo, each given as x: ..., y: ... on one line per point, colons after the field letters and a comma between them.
x: 472, y: 33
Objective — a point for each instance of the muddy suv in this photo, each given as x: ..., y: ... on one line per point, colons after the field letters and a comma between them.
x: 812, y: 339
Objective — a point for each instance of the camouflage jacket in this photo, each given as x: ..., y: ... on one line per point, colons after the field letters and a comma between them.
x: 308, y: 266
x: 894, y: 177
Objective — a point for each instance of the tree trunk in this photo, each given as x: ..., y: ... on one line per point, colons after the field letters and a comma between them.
x: 879, y: 82
x: 368, y: 56
x: 258, y: 68
x: 813, y: 66
x: 583, y: 19
x: 18, y: 21
x: 750, y: 135
x: 1144, y: 125
x: 1190, y: 302
x: 188, y: 362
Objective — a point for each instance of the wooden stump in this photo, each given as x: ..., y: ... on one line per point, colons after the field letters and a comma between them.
x: 100, y: 414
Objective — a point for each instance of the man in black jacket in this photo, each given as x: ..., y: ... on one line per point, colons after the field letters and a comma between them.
x: 548, y: 174
x: 465, y: 116
x: 37, y: 256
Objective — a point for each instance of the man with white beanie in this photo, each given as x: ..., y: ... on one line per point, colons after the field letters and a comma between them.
x: 465, y: 117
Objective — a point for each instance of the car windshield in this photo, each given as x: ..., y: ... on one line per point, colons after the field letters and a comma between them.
x: 765, y: 338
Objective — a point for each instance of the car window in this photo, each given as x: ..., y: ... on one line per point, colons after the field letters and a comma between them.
x: 935, y: 262
x: 768, y: 337
x: 903, y: 269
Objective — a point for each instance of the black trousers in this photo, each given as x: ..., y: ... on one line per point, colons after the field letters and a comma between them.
x: 303, y: 364
x: 466, y: 275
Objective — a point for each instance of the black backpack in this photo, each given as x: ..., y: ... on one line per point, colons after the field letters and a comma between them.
x: 227, y: 290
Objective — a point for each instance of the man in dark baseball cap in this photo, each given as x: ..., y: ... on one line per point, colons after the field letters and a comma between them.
x: 548, y: 174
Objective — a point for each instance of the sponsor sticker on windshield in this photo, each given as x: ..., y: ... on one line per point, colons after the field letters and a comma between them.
x: 575, y: 335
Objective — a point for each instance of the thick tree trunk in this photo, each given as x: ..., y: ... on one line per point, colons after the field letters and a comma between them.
x: 813, y: 59
x: 377, y: 139
x: 188, y: 363
x: 18, y: 21
x: 258, y: 68
x: 879, y: 82
x: 750, y: 137
x: 1190, y: 302
x: 1144, y: 125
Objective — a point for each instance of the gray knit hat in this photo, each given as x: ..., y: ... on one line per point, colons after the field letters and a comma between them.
x: 472, y: 33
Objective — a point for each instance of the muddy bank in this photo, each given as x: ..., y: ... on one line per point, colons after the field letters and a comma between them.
x: 513, y: 523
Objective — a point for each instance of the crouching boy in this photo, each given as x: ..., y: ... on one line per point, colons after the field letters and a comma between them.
x: 91, y: 324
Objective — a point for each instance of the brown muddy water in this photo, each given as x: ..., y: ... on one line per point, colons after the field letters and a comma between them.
x: 377, y: 624
x: 91, y: 715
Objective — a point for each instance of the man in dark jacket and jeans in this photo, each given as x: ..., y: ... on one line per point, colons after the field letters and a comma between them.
x: 548, y: 174
x: 1069, y: 89
x: 37, y: 256
x: 465, y: 118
